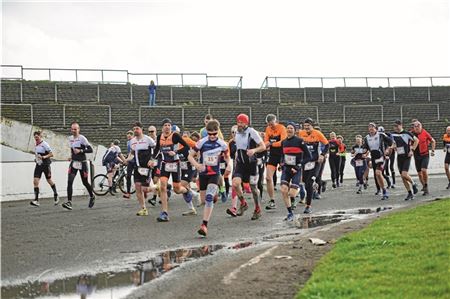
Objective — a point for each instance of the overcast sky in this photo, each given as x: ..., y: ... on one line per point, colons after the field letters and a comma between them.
x: 232, y: 37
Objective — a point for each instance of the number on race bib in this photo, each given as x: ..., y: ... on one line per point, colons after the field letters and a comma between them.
x: 223, y: 165
x: 143, y: 171
x: 310, y: 165
x: 183, y: 165
x: 401, y: 150
x: 77, y: 164
x: 359, y: 163
x: 290, y: 159
x: 171, y: 167
x: 212, y: 160
x: 38, y: 160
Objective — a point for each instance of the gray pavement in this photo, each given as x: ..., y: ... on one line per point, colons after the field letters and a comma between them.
x: 54, y: 242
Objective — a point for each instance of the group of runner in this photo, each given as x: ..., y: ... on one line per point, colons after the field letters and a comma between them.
x: 300, y: 151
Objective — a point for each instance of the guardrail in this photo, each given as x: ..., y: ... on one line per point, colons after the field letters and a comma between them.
x: 117, y: 76
x: 31, y: 109
x: 296, y: 82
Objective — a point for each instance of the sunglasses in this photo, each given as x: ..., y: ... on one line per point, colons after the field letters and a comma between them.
x: 151, y: 131
x: 212, y: 133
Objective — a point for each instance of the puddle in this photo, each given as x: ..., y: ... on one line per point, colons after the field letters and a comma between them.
x: 113, y: 284
x: 315, y: 221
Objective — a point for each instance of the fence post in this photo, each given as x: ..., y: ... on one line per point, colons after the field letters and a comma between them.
x: 389, y: 82
x: 98, y: 93
x: 279, y: 95
x: 76, y: 75
x: 393, y: 93
x: 323, y: 95
x: 370, y: 88
x: 21, y: 92
x: 102, y: 76
x: 367, y: 82
x: 431, y: 80
x: 410, y: 84
x: 343, y: 114
x: 49, y: 75
x: 335, y: 93
x: 438, y: 112
x: 171, y: 95
x: 345, y: 84
x: 56, y: 93
x: 239, y: 91
x: 140, y: 107
x: 201, y: 96
x: 429, y: 95
x: 250, y: 114
x: 317, y: 114
x: 32, y: 117
x: 109, y: 115
x: 278, y: 112
x: 182, y: 81
x: 299, y: 84
x: 260, y: 96
x: 131, y: 93
x: 64, y: 115
x: 382, y: 113
x: 182, y: 117
x: 304, y: 95
x: 401, y: 113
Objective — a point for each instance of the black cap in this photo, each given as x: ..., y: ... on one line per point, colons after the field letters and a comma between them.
x: 398, y: 122
x: 137, y: 124
x: 165, y: 121
x: 308, y: 120
x: 116, y: 142
x: 294, y: 124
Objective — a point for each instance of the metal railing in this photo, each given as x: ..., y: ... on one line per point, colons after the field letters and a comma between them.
x: 420, y: 105
x: 345, y: 80
x: 125, y: 77
x: 31, y: 109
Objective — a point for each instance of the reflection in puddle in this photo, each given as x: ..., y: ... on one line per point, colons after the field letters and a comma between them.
x: 315, y: 221
x: 112, y: 284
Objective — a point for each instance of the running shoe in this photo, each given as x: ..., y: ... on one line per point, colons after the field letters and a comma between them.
x: 56, y: 200
x: 163, y: 217
x: 242, y: 209
x: 415, y: 190
x: 359, y: 191
x: 190, y: 212
x: 324, y: 186
x: 271, y: 205
x: 111, y: 191
x: 293, y: 203
x: 333, y: 185
x: 67, y: 205
x: 256, y: 215
x: 91, y: 201
x: 34, y: 203
x: 302, y: 192
x: 127, y: 195
x: 203, y: 230
x: 317, y: 196
x: 302, y: 201
x: 142, y: 212
x: 378, y: 192
x: 365, y: 186
x: 425, y: 191
x: 385, y: 197
x: 409, y: 197
x: 152, y: 201
x: 392, y: 186
x: 232, y: 212
x: 289, y: 217
x: 307, y: 210
x: 337, y: 185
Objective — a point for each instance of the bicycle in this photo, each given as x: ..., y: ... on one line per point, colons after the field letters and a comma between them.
x: 100, y: 183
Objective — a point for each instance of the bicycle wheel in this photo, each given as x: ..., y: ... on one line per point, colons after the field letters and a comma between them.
x: 123, y: 184
x: 100, y: 184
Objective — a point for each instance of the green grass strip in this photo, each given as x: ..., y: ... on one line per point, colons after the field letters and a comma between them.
x: 402, y: 255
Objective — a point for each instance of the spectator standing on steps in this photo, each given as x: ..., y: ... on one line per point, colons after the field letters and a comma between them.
x: 152, y: 94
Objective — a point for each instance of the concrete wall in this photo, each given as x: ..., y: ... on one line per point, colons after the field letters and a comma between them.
x: 18, y: 166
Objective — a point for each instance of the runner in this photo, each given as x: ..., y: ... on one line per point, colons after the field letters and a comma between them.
x: 187, y: 171
x: 169, y: 166
x: 295, y: 154
x: 248, y: 143
x: 311, y: 170
x: 43, y: 153
x: 79, y: 147
x: 446, y: 141
x: 274, y: 134
x: 378, y: 143
x: 141, y: 152
x: 342, y: 153
x: 153, y: 134
x: 422, y: 155
x: 232, y: 149
x: 110, y: 160
x: 130, y: 164
x: 334, y: 159
x: 405, y: 144
x: 210, y: 149
x: 323, y: 184
x: 359, y: 154
x: 388, y: 163
x: 261, y: 160
x: 203, y: 132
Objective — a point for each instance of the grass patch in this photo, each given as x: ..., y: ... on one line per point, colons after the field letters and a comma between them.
x: 403, y: 255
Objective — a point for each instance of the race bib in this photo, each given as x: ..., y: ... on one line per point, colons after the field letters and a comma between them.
x: 254, y: 179
x: 143, y: 171
x: 259, y: 161
x: 212, y: 160
x: 290, y: 159
x: 310, y: 165
x: 171, y: 167
x: 184, y: 165
x: 379, y: 160
x: 223, y: 165
x: 401, y: 150
x: 77, y: 164
x: 359, y: 163
x: 448, y: 149
x: 38, y: 160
